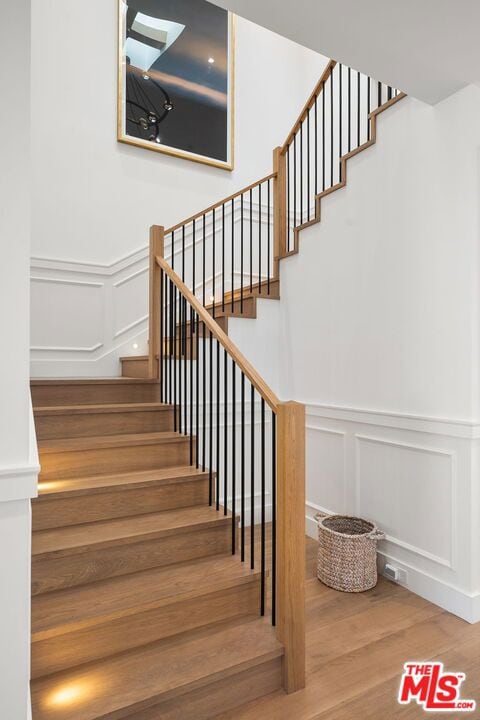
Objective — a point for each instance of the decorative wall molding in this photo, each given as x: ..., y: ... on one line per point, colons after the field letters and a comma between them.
x: 451, y: 427
x: 412, y: 477
x: 117, y: 319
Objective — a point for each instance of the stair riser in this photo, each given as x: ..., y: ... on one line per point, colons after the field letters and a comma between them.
x: 94, y: 394
x: 132, y: 368
x: 54, y: 573
x: 126, y: 458
x: 215, y: 698
x: 93, y: 643
x: 51, y: 427
x: 51, y: 513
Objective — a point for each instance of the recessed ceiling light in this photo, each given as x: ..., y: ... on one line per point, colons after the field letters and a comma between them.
x: 211, y: 60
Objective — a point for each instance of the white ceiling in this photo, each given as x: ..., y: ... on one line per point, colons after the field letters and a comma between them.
x: 428, y: 48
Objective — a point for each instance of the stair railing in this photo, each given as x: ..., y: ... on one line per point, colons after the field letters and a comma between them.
x: 231, y: 250
x: 227, y: 250
x: 334, y: 124
x: 250, y: 443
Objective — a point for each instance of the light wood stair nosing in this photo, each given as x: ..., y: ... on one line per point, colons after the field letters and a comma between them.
x: 220, y: 581
x: 189, y: 524
x: 99, y: 484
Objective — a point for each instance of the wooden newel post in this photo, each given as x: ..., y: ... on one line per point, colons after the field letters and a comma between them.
x: 291, y: 541
x: 156, y: 248
x: 279, y: 206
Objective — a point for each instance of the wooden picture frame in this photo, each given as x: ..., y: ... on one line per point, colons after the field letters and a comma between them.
x: 176, y: 73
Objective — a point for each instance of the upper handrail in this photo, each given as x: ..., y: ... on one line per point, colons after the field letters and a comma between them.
x: 220, y: 203
x: 311, y: 100
x: 257, y: 381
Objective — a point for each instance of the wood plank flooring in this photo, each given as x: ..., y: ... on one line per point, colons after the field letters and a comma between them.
x: 356, y: 647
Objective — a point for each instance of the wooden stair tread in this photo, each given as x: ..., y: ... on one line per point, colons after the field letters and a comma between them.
x: 143, y: 677
x: 77, y: 538
x: 102, y: 408
x: 70, y: 609
x: 108, y: 441
x: 70, y: 487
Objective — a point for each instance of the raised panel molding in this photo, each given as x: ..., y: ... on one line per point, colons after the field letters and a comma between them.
x: 109, y: 327
x: 444, y: 496
x: 327, y: 455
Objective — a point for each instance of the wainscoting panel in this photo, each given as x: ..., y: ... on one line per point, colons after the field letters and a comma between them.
x: 407, y: 486
x: 412, y: 476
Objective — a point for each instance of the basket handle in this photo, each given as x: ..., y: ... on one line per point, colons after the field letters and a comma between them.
x: 321, y: 516
x: 377, y: 535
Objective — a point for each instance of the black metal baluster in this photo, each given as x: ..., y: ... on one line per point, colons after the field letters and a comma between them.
x: 295, y: 181
x: 358, y: 109
x: 223, y: 258
x: 194, y: 290
x: 251, y: 239
x: 262, y: 456
x: 389, y: 92
x: 210, y: 429
x: 178, y: 356
x: 368, y: 107
x: 242, y: 469
x: 197, y: 391
x: 260, y: 215
x: 204, y: 392
x: 340, y: 116
x: 308, y: 164
x: 191, y: 386
x: 170, y: 342
x: 268, y: 237
x: 225, y: 430
x: 233, y: 255
x: 323, y: 137
x: 213, y: 261
x: 331, y: 128
x: 204, y: 246
x: 217, y: 429
x: 234, y: 460
x: 301, y: 172
x: 241, y: 253
x: 183, y: 253
x: 379, y: 91
x: 162, y: 336
x: 175, y: 421
x: 349, y: 109
x: 288, y: 199
x: 252, y: 477
x: 274, y: 518
x: 185, y: 368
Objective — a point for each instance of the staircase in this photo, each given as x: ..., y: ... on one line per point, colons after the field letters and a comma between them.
x: 168, y: 535
x: 139, y: 609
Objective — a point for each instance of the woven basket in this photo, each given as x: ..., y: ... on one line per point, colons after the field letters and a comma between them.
x: 347, y: 555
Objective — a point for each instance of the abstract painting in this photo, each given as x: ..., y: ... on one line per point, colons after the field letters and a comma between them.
x: 175, y: 79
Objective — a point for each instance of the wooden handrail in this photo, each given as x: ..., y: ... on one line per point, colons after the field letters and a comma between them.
x: 259, y: 384
x: 219, y: 203
x: 311, y: 100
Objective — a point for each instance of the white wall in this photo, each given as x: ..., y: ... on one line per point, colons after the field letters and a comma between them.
x: 93, y: 198
x: 377, y: 333
x: 17, y: 464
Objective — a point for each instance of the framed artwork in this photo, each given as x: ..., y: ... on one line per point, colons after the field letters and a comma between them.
x: 176, y: 79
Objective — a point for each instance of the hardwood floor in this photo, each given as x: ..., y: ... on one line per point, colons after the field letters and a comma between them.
x: 356, y: 647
